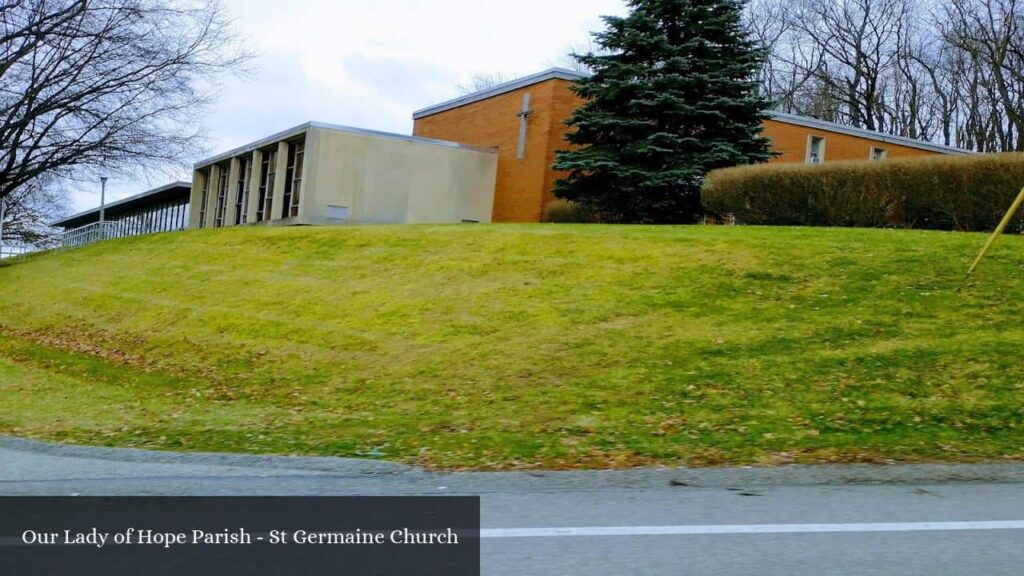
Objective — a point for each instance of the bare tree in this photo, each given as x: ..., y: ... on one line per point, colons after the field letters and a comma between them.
x: 859, y: 41
x: 950, y: 71
x: 767, y: 22
x: 943, y: 71
x: 112, y: 85
x: 478, y: 82
x: 28, y: 210
x: 572, y: 57
x: 991, y: 32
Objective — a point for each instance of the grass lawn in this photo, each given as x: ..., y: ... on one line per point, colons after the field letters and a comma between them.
x: 513, y: 346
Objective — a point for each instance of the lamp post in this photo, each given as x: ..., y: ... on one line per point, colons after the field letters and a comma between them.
x: 103, y: 196
x: 103, y: 206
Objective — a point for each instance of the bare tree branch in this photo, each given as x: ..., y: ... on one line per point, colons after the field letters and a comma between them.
x: 111, y: 85
x: 950, y: 71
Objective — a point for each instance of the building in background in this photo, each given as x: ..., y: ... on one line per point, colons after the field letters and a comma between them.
x: 525, y: 121
x: 163, y: 209
x: 325, y: 174
x: 486, y: 156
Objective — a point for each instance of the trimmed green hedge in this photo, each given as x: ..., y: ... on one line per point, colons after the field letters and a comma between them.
x: 968, y: 193
x: 565, y: 212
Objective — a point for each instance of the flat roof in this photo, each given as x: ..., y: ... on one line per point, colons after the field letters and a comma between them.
x: 549, y: 74
x: 572, y: 75
x: 149, y: 197
x: 302, y: 128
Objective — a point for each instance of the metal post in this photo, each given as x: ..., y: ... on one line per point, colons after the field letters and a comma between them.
x: 999, y: 230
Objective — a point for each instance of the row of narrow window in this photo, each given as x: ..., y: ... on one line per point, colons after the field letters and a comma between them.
x: 816, y: 151
x: 265, y: 187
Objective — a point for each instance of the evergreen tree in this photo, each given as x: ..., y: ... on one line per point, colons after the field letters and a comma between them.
x: 672, y: 96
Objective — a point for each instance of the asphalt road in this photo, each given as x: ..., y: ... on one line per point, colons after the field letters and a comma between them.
x: 928, y: 520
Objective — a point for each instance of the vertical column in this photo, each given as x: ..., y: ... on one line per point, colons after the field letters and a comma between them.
x: 198, y: 180
x: 254, y: 187
x: 211, y: 200
x: 308, y: 182
x: 279, y: 181
x: 232, y: 195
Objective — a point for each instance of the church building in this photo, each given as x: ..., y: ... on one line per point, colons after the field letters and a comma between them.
x: 524, y: 121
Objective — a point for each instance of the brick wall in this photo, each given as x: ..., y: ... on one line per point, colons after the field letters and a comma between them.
x: 524, y: 186
x: 791, y: 141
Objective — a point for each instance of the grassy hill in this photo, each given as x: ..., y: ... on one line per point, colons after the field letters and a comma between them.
x: 523, y: 346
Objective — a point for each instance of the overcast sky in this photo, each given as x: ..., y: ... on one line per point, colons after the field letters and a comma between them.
x: 370, y: 63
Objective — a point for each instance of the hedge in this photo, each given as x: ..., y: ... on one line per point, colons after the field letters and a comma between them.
x: 969, y: 193
x: 564, y: 211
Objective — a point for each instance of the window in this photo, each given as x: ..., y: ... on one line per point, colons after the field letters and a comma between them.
x: 300, y: 154
x: 815, y: 150
x: 286, y: 207
x: 266, y: 191
x: 877, y: 153
x: 222, y: 196
x: 293, y: 179
x: 242, y: 190
x: 204, y: 197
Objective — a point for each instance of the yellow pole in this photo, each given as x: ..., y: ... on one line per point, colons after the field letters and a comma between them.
x: 999, y: 230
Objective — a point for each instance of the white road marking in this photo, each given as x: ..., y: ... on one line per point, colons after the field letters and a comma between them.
x: 748, y: 529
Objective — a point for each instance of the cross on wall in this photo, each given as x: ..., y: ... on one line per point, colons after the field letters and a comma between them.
x: 523, y: 116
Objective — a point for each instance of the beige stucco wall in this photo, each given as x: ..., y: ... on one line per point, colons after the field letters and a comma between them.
x: 390, y: 180
x: 374, y: 178
x: 198, y: 180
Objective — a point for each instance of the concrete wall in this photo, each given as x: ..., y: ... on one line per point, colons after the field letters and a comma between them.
x: 390, y: 180
x: 357, y: 176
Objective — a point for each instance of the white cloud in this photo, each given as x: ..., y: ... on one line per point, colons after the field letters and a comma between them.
x: 370, y: 63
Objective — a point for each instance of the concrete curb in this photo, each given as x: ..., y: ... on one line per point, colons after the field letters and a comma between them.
x: 332, y: 465
x: 732, y: 478
x: 668, y: 478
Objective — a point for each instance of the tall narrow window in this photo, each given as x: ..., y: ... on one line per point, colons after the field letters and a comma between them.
x: 815, y: 150
x: 288, y: 181
x: 222, y: 196
x: 266, y: 191
x: 293, y: 176
x: 300, y: 153
x: 204, y: 196
x: 242, y: 189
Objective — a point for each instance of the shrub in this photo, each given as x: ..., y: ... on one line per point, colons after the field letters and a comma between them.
x: 565, y: 212
x: 968, y: 193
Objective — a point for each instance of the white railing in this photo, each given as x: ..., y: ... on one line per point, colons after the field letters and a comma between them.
x: 74, y: 238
